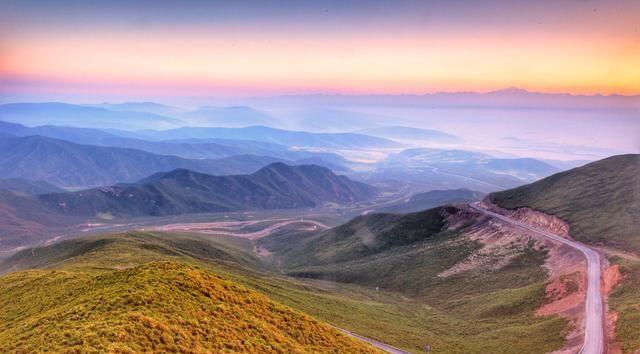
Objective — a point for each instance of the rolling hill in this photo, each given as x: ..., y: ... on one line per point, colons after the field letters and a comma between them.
x: 600, y: 201
x: 168, y: 305
x: 419, y: 255
x: 66, y: 164
x: 191, y: 148
x: 122, y: 271
x: 276, y: 186
x: 27, y: 187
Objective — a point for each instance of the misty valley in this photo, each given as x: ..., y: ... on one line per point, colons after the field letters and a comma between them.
x: 319, y: 177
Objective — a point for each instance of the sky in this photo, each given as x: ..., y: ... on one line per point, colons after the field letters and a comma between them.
x: 246, y: 48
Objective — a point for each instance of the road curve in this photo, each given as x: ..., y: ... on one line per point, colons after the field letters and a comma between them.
x: 384, y: 347
x: 594, y: 321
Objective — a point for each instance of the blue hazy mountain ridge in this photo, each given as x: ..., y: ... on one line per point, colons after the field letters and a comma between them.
x: 67, y: 164
x: 181, y: 191
x: 409, y: 133
x: 148, y: 107
x: 33, y: 114
x: 511, y: 97
x: 210, y: 116
x: 267, y: 134
x: 193, y: 149
x: 28, y: 187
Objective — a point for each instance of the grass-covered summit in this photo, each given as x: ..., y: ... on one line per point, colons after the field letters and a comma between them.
x: 600, y: 201
x: 155, y: 307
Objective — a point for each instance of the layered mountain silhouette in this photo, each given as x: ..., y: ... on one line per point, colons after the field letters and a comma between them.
x: 81, y: 116
x: 67, y: 164
x: 181, y: 191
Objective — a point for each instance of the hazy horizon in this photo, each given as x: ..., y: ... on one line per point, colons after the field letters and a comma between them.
x: 254, y: 48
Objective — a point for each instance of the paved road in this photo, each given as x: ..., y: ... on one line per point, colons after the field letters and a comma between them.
x: 594, y: 323
x: 234, y: 228
x: 384, y: 347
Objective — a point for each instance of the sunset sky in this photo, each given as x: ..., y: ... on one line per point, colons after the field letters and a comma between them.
x: 153, y: 48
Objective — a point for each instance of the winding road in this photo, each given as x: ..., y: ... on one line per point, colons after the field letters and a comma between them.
x: 594, y: 321
x: 384, y: 347
x: 234, y: 228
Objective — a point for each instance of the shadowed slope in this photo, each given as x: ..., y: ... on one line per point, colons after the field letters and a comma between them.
x: 276, y: 186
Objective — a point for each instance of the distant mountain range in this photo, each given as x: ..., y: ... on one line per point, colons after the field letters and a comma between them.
x: 67, y: 164
x: 81, y: 116
x: 27, y: 217
x: 266, y: 134
x: 189, y: 148
x: 276, y: 186
x: 506, y: 98
x: 148, y: 107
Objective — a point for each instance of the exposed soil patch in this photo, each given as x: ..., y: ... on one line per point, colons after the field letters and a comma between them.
x: 566, y: 291
x: 552, y: 224
x: 500, y: 246
x: 610, y: 278
x: 563, y: 294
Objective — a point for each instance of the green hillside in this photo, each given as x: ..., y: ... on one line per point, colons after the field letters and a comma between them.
x: 473, y: 321
x: 406, y: 253
x: 600, y: 201
x: 181, y: 191
x: 115, y: 293
x: 471, y: 311
x: 120, y: 251
x: 156, y: 307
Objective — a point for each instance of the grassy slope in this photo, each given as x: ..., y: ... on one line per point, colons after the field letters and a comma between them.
x: 601, y: 203
x: 469, y: 312
x: 94, y: 296
x: 496, y: 321
x: 601, y: 200
x: 625, y: 299
x: 156, y: 307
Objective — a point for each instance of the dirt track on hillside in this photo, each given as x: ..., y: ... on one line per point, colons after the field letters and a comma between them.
x: 235, y: 228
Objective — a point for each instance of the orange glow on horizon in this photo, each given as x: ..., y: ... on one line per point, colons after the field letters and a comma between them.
x: 200, y: 64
